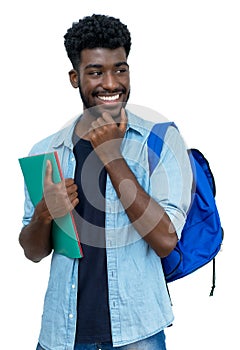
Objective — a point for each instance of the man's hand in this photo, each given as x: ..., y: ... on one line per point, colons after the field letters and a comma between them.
x: 59, y: 198
x: 106, y: 136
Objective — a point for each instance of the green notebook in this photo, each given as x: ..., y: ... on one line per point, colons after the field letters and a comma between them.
x: 64, y: 233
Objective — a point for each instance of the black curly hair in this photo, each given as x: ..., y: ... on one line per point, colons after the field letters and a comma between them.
x: 95, y: 31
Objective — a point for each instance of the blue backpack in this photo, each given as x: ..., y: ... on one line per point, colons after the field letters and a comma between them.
x: 202, y: 234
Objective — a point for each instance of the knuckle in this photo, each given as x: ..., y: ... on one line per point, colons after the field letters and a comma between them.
x: 94, y: 124
x: 93, y: 137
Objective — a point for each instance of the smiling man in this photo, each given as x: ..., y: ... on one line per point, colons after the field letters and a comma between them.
x: 115, y: 297
x: 102, y: 77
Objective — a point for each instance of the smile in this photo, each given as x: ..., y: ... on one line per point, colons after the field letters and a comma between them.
x: 109, y: 98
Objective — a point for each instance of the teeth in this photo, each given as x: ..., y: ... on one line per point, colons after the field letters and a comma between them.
x: 109, y: 98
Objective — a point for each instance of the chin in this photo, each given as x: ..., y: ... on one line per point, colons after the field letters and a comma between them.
x: 114, y: 109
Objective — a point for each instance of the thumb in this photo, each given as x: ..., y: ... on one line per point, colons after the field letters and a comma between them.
x: 123, y: 121
x: 48, y: 173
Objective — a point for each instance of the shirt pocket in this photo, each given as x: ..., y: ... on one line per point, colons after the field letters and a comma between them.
x: 141, y: 173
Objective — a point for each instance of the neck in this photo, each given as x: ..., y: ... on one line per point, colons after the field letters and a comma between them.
x: 84, y: 124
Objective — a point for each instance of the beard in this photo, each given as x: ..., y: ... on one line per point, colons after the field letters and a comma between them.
x: 97, y: 111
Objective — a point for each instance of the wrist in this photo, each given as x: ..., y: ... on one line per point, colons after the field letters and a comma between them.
x: 114, y: 162
x: 42, y: 214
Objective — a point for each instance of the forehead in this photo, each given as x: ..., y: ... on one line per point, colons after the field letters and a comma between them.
x: 102, y: 56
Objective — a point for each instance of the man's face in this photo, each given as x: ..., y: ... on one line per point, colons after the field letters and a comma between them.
x: 103, y: 80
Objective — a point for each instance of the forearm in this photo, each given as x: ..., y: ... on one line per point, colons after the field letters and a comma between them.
x: 35, y: 238
x: 147, y: 216
x: 59, y: 199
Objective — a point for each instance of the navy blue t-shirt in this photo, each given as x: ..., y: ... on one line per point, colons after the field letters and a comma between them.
x: 93, y: 319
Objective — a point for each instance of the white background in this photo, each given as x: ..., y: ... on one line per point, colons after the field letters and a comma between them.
x: 184, y: 64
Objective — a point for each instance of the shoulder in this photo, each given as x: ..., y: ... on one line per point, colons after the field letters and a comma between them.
x: 174, y: 137
x: 42, y: 145
x: 145, y: 122
x: 60, y: 137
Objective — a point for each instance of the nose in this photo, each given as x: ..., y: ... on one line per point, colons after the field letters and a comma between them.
x: 109, y: 81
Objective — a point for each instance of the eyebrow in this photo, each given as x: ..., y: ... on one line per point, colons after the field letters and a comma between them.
x: 95, y: 65
x: 123, y: 63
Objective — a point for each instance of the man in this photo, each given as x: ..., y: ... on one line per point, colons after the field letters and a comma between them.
x: 116, y: 295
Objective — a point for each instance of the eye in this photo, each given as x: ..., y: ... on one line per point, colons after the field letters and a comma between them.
x: 95, y: 73
x: 121, y: 71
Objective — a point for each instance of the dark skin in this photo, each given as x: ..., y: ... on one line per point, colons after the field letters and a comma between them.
x: 103, y: 79
x: 58, y: 200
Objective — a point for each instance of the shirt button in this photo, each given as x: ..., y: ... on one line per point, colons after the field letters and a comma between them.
x: 70, y: 316
x: 73, y: 286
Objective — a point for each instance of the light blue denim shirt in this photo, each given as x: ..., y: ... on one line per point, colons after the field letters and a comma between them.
x: 138, y: 298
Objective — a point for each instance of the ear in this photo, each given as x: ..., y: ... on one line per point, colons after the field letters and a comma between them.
x: 74, y: 79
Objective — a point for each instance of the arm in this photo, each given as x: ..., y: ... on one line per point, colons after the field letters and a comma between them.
x: 58, y: 200
x: 35, y: 238
x: 147, y: 216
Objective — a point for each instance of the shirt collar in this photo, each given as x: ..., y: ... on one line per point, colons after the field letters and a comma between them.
x: 64, y: 136
x: 136, y: 123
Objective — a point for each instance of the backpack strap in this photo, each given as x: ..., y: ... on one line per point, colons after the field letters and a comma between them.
x: 155, y: 143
